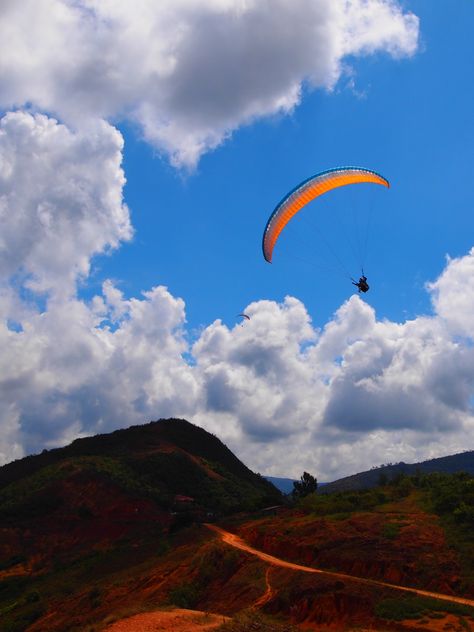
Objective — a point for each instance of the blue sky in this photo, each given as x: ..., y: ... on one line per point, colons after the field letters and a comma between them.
x: 142, y: 150
x: 200, y: 233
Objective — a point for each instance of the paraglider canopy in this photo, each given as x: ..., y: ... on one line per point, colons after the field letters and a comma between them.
x: 308, y: 190
x: 244, y: 317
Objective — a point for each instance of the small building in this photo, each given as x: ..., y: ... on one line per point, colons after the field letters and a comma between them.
x: 183, y: 503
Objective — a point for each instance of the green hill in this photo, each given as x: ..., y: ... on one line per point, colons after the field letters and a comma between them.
x: 463, y: 462
x: 154, y: 462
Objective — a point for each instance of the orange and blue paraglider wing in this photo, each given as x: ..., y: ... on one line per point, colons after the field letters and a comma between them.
x: 309, y: 190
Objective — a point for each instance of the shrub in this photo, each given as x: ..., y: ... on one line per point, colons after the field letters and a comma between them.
x: 391, y: 530
x: 84, y: 512
x: 248, y: 620
x: 217, y: 562
x: 12, y: 561
x: 186, y: 595
x: 32, y: 597
x: 399, y: 609
x: 416, y: 607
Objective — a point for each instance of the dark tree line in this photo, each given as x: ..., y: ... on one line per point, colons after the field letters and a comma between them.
x: 306, y: 485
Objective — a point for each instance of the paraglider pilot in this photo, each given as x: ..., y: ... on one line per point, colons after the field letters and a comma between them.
x: 362, y: 284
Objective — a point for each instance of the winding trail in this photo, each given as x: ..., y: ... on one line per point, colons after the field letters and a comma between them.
x: 238, y: 543
x: 268, y: 594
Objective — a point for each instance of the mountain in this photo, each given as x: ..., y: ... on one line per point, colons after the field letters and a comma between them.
x: 285, y: 485
x: 157, y: 461
x: 145, y: 481
x: 462, y: 462
x: 108, y: 503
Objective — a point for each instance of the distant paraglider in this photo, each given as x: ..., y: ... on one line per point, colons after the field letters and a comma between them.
x: 244, y: 317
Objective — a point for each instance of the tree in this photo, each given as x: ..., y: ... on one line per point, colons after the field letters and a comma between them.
x: 306, y: 485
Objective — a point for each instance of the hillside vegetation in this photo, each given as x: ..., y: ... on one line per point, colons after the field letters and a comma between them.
x: 415, y: 530
x: 111, y: 526
x: 71, y: 515
x: 156, y: 462
x: 462, y: 462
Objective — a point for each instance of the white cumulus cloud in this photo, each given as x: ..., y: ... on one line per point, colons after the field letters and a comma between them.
x: 453, y: 295
x: 283, y: 395
x: 60, y: 200
x: 187, y: 72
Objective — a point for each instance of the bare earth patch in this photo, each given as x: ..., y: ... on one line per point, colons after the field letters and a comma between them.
x: 178, y: 620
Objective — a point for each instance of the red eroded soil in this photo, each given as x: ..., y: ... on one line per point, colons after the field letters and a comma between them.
x: 408, y: 549
x: 131, y: 573
x: 177, y: 620
x: 235, y: 579
x: 92, y: 513
x: 150, y: 583
x: 304, y: 608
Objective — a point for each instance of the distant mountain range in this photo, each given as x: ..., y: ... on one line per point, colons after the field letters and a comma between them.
x: 285, y: 485
x: 462, y: 462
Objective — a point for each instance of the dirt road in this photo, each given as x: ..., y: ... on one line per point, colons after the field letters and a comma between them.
x: 238, y: 543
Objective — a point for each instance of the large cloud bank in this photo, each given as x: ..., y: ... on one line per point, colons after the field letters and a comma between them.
x: 283, y: 394
x: 187, y: 72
